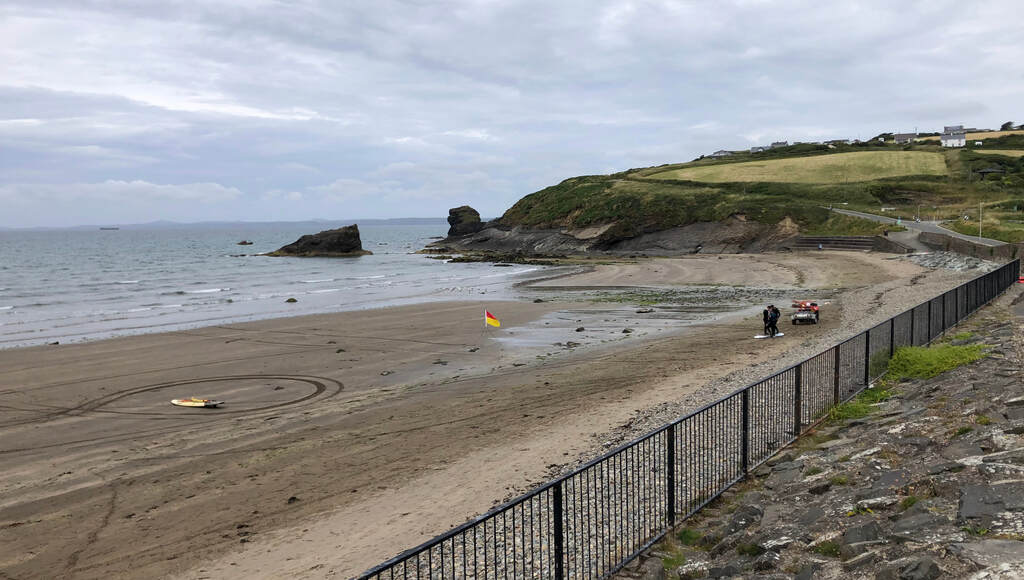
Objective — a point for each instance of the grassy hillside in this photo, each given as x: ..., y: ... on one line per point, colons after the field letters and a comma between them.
x: 1003, y: 152
x: 836, y: 168
x: 796, y: 182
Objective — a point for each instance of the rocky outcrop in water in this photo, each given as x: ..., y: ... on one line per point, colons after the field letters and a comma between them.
x: 930, y: 485
x: 339, y: 243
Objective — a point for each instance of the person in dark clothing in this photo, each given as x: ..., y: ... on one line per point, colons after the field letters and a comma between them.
x: 766, y: 314
x: 773, y: 320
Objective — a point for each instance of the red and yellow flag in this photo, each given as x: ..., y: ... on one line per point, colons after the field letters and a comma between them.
x: 490, y: 319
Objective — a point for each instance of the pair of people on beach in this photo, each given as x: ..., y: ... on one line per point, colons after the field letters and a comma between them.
x: 771, y: 316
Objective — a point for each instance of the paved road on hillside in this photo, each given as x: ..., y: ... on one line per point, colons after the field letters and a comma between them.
x: 933, y: 227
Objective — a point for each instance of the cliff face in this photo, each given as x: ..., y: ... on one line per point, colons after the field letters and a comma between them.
x: 339, y: 243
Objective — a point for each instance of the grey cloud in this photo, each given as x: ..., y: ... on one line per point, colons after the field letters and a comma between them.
x: 432, y: 104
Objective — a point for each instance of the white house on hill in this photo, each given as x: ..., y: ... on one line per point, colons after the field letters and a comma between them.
x: 721, y: 153
x: 953, y: 139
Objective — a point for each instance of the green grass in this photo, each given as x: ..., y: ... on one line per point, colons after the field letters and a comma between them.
x: 908, y: 502
x: 840, y: 480
x: 834, y: 168
x: 962, y: 431
x: 688, y: 536
x: 844, y: 225
x: 918, y: 362
x: 1001, y: 230
x: 828, y: 548
x: 860, y: 406
x: 1003, y: 152
x: 850, y: 410
x: 672, y: 562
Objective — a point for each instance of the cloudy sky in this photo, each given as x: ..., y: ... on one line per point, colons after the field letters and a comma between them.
x: 133, y: 111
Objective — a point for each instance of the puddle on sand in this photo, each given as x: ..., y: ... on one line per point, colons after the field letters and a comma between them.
x: 566, y: 330
x: 631, y: 313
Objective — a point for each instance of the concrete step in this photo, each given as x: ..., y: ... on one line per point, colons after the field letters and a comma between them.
x: 851, y: 243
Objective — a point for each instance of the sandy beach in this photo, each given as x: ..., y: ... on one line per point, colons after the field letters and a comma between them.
x: 349, y: 437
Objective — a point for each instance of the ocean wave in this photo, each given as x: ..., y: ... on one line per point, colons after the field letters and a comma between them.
x: 126, y: 282
x: 324, y: 291
x: 369, y: 277
x: 318, y: 281
x: 204, y: 291
x: 6, y: 308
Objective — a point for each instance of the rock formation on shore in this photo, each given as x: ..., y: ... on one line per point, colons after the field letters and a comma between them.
x: 732, y: 235
x: 464, y: 220
x: 339, y: 243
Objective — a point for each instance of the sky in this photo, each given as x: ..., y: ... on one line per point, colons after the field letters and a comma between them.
x: 262, y: 110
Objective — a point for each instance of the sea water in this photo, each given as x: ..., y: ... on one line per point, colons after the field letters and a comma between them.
x: 73, y: 285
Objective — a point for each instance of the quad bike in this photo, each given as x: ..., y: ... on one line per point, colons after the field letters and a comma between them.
x: 806, y: 312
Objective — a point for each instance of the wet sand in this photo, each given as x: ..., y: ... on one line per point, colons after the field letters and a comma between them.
x: 349, y: 437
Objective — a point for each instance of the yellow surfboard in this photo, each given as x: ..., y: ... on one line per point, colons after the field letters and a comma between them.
x: 196, y: 402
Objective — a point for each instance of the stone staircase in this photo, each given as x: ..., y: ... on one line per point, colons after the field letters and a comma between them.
x: 852, y: 243
x: 864, y: 243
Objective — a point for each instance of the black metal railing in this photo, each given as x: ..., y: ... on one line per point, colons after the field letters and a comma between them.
x: 591, y: 522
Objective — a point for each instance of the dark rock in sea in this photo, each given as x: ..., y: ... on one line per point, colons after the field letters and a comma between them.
x: 244, y: 243
x: 340, y: 243
x: 464, y: 220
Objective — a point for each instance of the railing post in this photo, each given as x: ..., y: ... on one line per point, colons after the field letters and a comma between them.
x: 913, y: 317
x: 867, y: 357
x: 835, y: 378
x: 671, y: 471
x: 745, y: 426
x: 892, y: 336
x: 559, y: 541
x: 961, y: 291
x: 944, y: 325
x: 797, y: 400
x: 928, y: 338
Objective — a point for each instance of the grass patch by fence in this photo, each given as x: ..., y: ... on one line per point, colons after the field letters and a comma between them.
x: 860, y: 406
x: 918, y: 362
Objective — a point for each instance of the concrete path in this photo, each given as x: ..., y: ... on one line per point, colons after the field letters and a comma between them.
x: 933, y: 227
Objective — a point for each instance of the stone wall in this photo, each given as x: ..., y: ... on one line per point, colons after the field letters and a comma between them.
x: 969, y: 248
